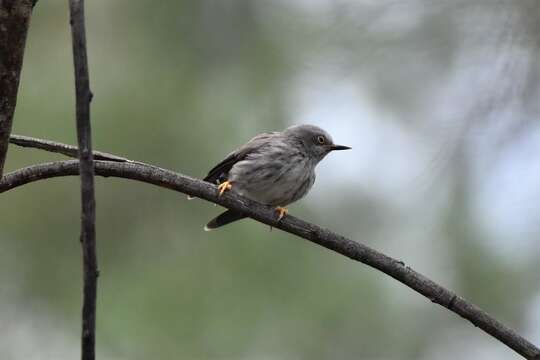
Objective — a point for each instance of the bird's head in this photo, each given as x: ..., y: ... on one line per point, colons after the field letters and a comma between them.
x: 317, y: 142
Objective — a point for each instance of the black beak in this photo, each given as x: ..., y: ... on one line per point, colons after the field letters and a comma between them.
x: 339, y: 147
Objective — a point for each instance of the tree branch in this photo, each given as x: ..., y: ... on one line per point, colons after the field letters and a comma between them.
x: 55, y: 147
x: 86, y: 169
x: 323, y: 237
x: 14, y: 19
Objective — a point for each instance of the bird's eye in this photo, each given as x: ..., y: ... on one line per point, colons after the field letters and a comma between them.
x: 321, y: 140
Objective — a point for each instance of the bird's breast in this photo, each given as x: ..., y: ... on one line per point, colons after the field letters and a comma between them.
x: 276, y: 179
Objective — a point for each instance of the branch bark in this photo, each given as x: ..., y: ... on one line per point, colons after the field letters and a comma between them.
x: 86, y: 170
x: 14, y: 19
x: 55, y: 147
x: 323, y: 237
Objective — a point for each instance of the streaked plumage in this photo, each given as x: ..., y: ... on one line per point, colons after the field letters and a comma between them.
x: 276, y: 168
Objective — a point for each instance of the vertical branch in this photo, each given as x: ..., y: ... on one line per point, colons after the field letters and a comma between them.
x: 14, y: 21
x: 86, y: 168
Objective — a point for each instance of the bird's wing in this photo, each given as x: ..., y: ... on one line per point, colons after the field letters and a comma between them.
x: 222, y: 169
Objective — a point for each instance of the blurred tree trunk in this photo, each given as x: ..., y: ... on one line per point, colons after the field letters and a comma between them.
x: 14, y: 21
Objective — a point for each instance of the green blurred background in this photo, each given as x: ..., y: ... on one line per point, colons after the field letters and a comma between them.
x: 439, y: 100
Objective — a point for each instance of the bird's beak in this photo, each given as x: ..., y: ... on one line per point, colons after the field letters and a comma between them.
x: 339, y: 147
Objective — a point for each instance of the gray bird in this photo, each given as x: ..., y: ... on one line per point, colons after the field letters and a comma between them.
x: 275, y: 168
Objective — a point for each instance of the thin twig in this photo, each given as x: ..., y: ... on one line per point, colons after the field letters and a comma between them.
x: 14, y: 20
x: 56, y: 147
x: 330, y: 240
x: 88, y: 206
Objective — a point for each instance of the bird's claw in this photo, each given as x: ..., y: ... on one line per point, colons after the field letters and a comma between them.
x: 224, y: 186
x: 281, y: 212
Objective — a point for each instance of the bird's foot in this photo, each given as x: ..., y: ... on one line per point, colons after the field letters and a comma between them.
x: 281, y: 212
x: 224, y: 186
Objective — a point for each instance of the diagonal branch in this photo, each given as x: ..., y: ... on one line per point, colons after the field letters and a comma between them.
x: 14, y: 20
x: 323, y: 237
x: 86, y: 169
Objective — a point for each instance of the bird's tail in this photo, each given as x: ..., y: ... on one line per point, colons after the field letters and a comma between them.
x: 223, y: 219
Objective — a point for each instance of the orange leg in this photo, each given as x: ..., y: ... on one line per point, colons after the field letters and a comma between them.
x: 224, y: 186
x: 281, y: 212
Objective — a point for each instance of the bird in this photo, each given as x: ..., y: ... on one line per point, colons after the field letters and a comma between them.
x: 273, y: 168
